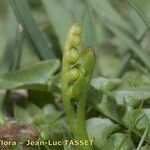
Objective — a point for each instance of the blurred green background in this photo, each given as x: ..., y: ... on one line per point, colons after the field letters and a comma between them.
x: 112, y: 27
x: 32, y: 35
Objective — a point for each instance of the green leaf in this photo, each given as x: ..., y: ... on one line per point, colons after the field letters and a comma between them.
x: 130, y: 96
x: 99, y: 130
x: 7, y: 60
x: 136, y: 79
x: 144, y: 18
x: 138, y: 121
x: 115, y: 140
x: 132, y: 115
x: 105, y: 84
x: 34, y: 77
x: 25, y: 18
x: 137, y: 23
x: 56, y: 82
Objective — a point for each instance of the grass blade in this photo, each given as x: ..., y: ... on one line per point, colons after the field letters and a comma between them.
x: 140, y: 13
x: 132, y: 43
x: 142, y: 139
x: 25, y: 17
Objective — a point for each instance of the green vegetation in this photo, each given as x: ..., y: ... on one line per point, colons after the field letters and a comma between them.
x: 75, y: 70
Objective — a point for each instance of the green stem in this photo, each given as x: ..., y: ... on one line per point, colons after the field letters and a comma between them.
x: 78, y: 82
x: 142, y: 139
x: 77, y: 122
x: 131, y: 127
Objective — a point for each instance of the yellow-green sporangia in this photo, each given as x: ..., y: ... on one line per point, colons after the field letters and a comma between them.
x: 77, y: 68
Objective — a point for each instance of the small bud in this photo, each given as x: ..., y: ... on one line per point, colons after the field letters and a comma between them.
x: 73, y: 55
x: 76, y: 29
x: 74, y: 40
x: 70, y: 92
x: 73, y: 74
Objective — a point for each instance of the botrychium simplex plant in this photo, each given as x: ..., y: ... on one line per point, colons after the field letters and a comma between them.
x: 77, y: 68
